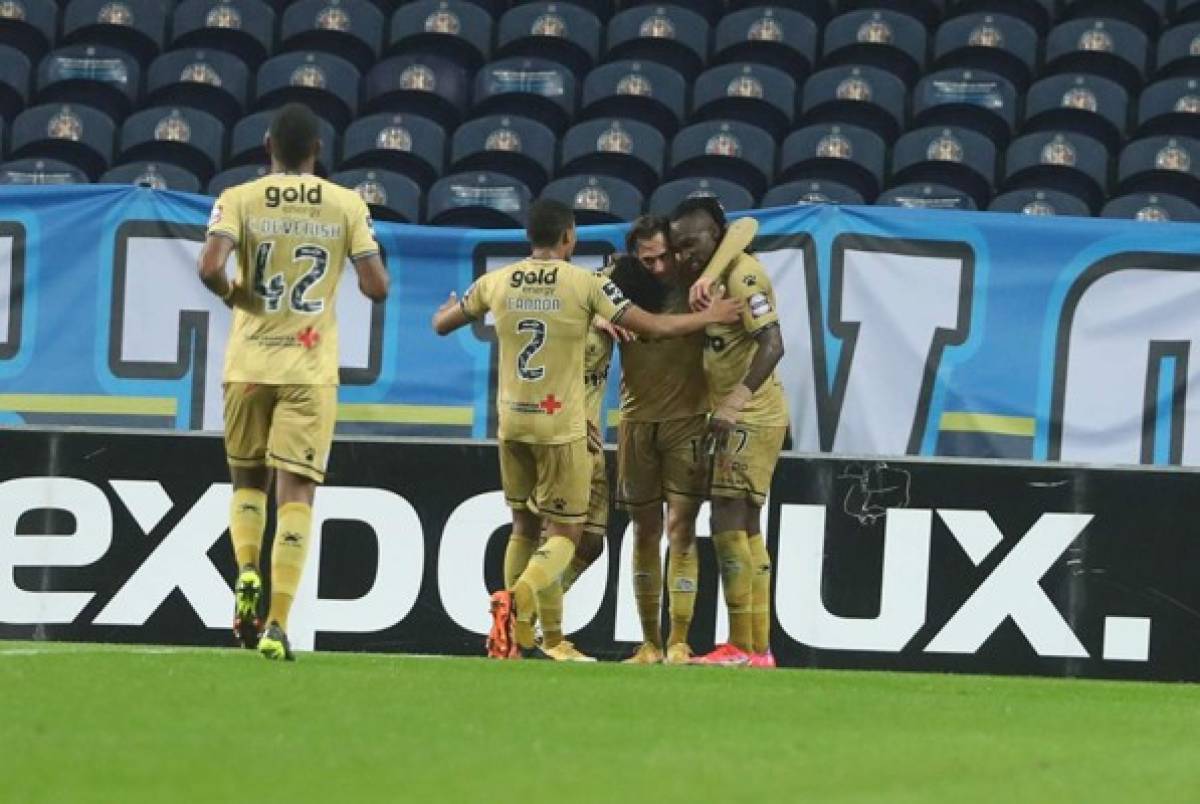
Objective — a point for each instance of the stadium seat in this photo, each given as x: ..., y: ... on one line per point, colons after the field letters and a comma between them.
x: 78, y: 135
x: 639, y: 90
x: 514, y: 146
x: 726, y: 149
x: 1161, y: 165
x: 732, y: 196
x: 597, y: 199
x: 494, y: 8
x: 891, y: 41
x: 234, y: 176
x: 535, y: 88
x: 627, y: 149
x: 806, y: 193
x: 28, y: 26
x: 668, y: 34
x: 753, y: 93
x: 1171, y: 106
x: 245, y: 28
x: 1152, y: 207
x: 780, y: 37
x: 1109, y: 48
x: 862, y: 96
x: 974, y: 99
x: 479, y: 200
x: 1088, y: 104
x: 954, y: 157
x: 155, y: 175
x: 1147, y: 15
x: 138, y: 27
x: 819, y: 11
x: 561, y: 32
x: 351, y: 29
x: 419, y: 84
x: 835, y: 152
x: 926, y: 196
x: 1179, y: 51
x: 1186, y: 11
x: 1036, y: 13
x: 710, y: 10
x: 929, y: 12
x: 1066, y: 161
x: 997, y: 43
x: 325, y: 83
x: 14, y: 81
x: 456, y: 30
x: 209, y: 80
x: 603, y: 9
x: 41, y: 171
x: 1034, y: 201
x: 409, y: 145
x: 246, y: 142
x: 390, y: 196
x: 101, y: 77
x: 189, y: 138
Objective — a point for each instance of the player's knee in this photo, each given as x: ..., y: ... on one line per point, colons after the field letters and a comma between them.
x: 727, y: 514
x: 290, y: 488
x: 648, y: 525
x: 591, y: 545
x: 681, y: 526
x: 526, y: 524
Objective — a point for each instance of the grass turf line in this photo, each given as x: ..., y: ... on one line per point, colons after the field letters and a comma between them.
x: 106, y: 723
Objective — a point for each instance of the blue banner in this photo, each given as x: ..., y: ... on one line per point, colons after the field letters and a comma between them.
x: 908, y: 332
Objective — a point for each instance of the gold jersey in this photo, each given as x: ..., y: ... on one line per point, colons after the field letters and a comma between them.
x: 597, y: 359
x: 544, y: 311
x: 663, y: 380
x: 729, y: 348
x: 293, y: 234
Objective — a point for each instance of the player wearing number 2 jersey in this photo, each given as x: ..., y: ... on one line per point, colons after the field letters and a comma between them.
x: 292, y: 233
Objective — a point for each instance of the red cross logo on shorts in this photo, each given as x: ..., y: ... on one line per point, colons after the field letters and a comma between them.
x: 308, y: 337
x: 550, y: 405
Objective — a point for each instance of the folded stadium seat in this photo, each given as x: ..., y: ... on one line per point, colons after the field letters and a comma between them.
x: 177, y: 135
x: 638, y: 90
x: 862, y: 96
x: 535, y: 88
x: 754, y: 93
x: 421, y: 84
x: 954, y: 157
x: 1151, y: 207
x: 139, y: 27
x: 1113, y: 49
x: 886, y: 39
x: 1037, y: 13
x: 1171, y: 106
x: 668, y: 34
x: 94, y: 75
x: 494, y: 8
x: 234, y: 176
x: 929, y: 12
x: 819, y: 11
x: 1063, y: 160
x: 325, y: 83
x: 1186, y: 11
x: 597, y: 199
x: 514, y: 146
x: 409, y: 145
x: 14, y: 81
x: 155, y: 175
x: 1161, y: 165
x: 805, y: 193
x: 630, y: 150
x: 926, y: 196
x: 1178, y: 51
x: 998, y: 43
x: 711, y: 10
x: 561, y: 32
x: 246, y: 142
x: 78, y: 135
x: 732, y: 196
x: 851, y: 156
x: 780, y: 37
x: 974, y: 99
x: 479, y: 200
x: 1088, y: 104
x: 451, y: 29
x: 245, y: 28
x: 29, y: 26
x: 1148, y: 15
x: 725, y: 149
x: 351, y: 29
x: 41, y: 171
x: 390, y: 196
x: 603, y: 9
x: 1034, y: 201
x: 209, y: 80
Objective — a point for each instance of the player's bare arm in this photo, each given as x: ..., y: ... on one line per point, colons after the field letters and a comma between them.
x: 737, y: 239
x: 651, y: 325
x: 766, y: 357
x: 213, y: 257
x: 450, y: 316
x: 373, y: 278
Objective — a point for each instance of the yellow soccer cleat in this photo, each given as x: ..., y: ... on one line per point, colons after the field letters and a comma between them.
x: 274, y: 644
x: 648, y: 653
x: 246, y: 595
x: 679, y: 653
x: 566, y: 652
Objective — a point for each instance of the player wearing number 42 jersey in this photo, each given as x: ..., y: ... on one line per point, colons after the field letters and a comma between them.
x: 292, y: 233
x: 543, y: 307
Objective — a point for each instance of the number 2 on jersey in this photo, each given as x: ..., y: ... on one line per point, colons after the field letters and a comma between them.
x: 537, y: 340
x: 273, y: 290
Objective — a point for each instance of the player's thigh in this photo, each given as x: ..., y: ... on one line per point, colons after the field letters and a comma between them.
x: 743, y: 468
x: 249, y: 408
x: 302, y: 430
x: 564, y: 480
x: 683, y: 459
x: 598, y: 496
x: 518, y: 472
x: 639, y: 467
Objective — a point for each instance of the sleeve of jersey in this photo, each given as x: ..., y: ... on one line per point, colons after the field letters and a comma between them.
x: 225, y: 219
x: 606, y: 299
x: 362, y: 232
x: 751, y: 285
x: 474, y: 302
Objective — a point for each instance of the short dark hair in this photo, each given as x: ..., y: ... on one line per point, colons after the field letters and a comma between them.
x: 707, y: 204
x: 645, y: 228
x: 549, y: 220
x: 294, y: 135
x: 638, y: 284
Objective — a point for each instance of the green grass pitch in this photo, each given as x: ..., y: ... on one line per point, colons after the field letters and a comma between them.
x: 84, y: 723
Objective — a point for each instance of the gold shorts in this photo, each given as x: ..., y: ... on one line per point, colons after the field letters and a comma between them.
x: 288, y: 427
x: 597, y: 515
x: 743, y: 469
x: 551, y: 480
x: 661, y: 460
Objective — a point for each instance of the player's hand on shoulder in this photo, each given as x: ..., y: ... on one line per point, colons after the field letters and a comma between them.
x: 723, y: 310
x: 700, y: 294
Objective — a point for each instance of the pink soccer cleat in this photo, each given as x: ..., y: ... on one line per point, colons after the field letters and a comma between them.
x: 727, y: 655
x: 764, y: 661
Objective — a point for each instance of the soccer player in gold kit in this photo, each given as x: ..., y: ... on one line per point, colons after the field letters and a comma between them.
x: 544, y: 307
x: 292, y: 233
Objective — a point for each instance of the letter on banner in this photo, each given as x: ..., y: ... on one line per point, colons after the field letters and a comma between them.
x: 12, y: 286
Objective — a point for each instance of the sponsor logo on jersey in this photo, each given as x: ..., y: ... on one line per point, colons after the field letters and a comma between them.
x: 613, y: 293
x: 215, y: 216
x: 541, y: 276
x: 300, y: 194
